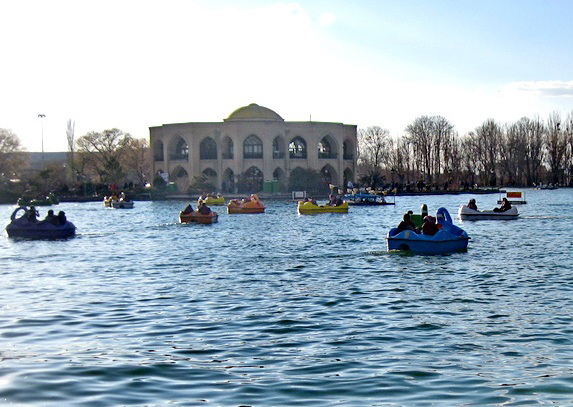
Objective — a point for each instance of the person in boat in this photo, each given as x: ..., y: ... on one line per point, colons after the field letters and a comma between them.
x: 204, y: 209
x: 313, y: 201
x: 50, y: 218
x: 203, y: 197
x: 406, y: 224
x: 429, y: 227
x: 335, y: 200
x: 62, y: 218
x: 188, y: 209
x: 32, y: 214
x: 472, y: 204
x: 505, y: 206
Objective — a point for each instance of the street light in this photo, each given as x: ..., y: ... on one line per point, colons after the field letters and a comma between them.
x: 41, y: 116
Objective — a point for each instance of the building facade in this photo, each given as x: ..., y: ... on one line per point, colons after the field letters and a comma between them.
x: 256, y: 144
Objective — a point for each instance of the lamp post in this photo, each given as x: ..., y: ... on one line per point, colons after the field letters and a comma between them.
x: 41, y: 116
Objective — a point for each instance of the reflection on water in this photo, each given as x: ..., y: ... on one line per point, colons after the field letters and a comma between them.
x: 285, y: 309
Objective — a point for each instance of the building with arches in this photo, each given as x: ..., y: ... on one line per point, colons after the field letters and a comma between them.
x: 253, y: 145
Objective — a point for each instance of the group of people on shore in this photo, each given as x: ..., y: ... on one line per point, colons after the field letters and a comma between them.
x: 32, y: 215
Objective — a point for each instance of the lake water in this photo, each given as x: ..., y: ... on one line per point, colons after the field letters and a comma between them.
x: 281, y: 309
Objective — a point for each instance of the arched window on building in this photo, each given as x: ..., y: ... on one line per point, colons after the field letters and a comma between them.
x: 228, y: 148
x: 181, y: 178
x: 208, y: 149
x: 228, y: 184
x: 348, y: 150
x: 297, y: 148
x: 326, y: 148
x: 329, y: 175
x: 278, y: 147
x: 252, y: 147
x: 181, y: 150
x: 279, y: 176
x: 348, y: 177
x: 251, y: 181
x: 158, y: 151
x: 211, y: 175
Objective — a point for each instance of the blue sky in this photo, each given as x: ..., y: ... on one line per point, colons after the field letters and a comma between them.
x: 133, y: 64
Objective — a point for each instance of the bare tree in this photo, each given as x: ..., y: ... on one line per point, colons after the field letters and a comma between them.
x: 488, y: 138
x: 470, y: 163
x: 556, y: 145
x: 136, y: 160
x: 11, y: 159
x: 102, y: 153
x: 568, y: 131
x: 512, y: 153
x: 70, y: 134
x: 531, y: 131
x: 374, y: 149
x: 428, y: 135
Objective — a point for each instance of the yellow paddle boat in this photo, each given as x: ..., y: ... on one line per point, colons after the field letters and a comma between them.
x: 212, y: 200
x: 308, y: 208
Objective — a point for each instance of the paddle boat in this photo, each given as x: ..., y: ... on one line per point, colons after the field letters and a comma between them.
x: 118, y: 203
x: 514, y: 198
x: 23, y: 227
x: 197, y: 217
x: 465, y: 213
x: 252, y: 205
x: 122, y: 204
x: 363, y: 198
x: 309, y: 208
x: 449, y: 238
x: 48, y: 200
x: 212, y: 200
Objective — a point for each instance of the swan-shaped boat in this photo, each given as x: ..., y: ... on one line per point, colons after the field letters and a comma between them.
x: 465, y: 213
x: 308, y: 208
x: 449, y: 238
x: 22, y: 227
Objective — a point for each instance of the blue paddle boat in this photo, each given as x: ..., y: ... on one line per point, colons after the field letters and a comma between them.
x: 23, y: 227
x: 449, y: 238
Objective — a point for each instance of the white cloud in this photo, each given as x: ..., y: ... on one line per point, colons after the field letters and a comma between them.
x: 327, y: 19
x: 543, y: 88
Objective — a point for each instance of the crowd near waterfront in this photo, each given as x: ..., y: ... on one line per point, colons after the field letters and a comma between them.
x: 283, y: 309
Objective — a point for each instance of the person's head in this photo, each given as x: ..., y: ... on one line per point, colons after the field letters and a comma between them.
x: 406, y: 217
x: 473, y: 201
x: 429, y: 219
x: 51, y: 212
x: 504, y: 200
x: 410, y: 212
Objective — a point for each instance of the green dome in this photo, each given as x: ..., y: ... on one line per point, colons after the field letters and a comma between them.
x: 254, y: 112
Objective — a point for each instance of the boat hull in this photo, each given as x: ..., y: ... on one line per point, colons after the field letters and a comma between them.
x: 210, y: 201
x: 405, y: 241
x: 308, y: 208
x: 449, y: 238
x: 366, y: 200
x: 122, y: 205
x: 254, y: 206
x: 24, y: 229
x: 196, y: 217
x: 465, y: 213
